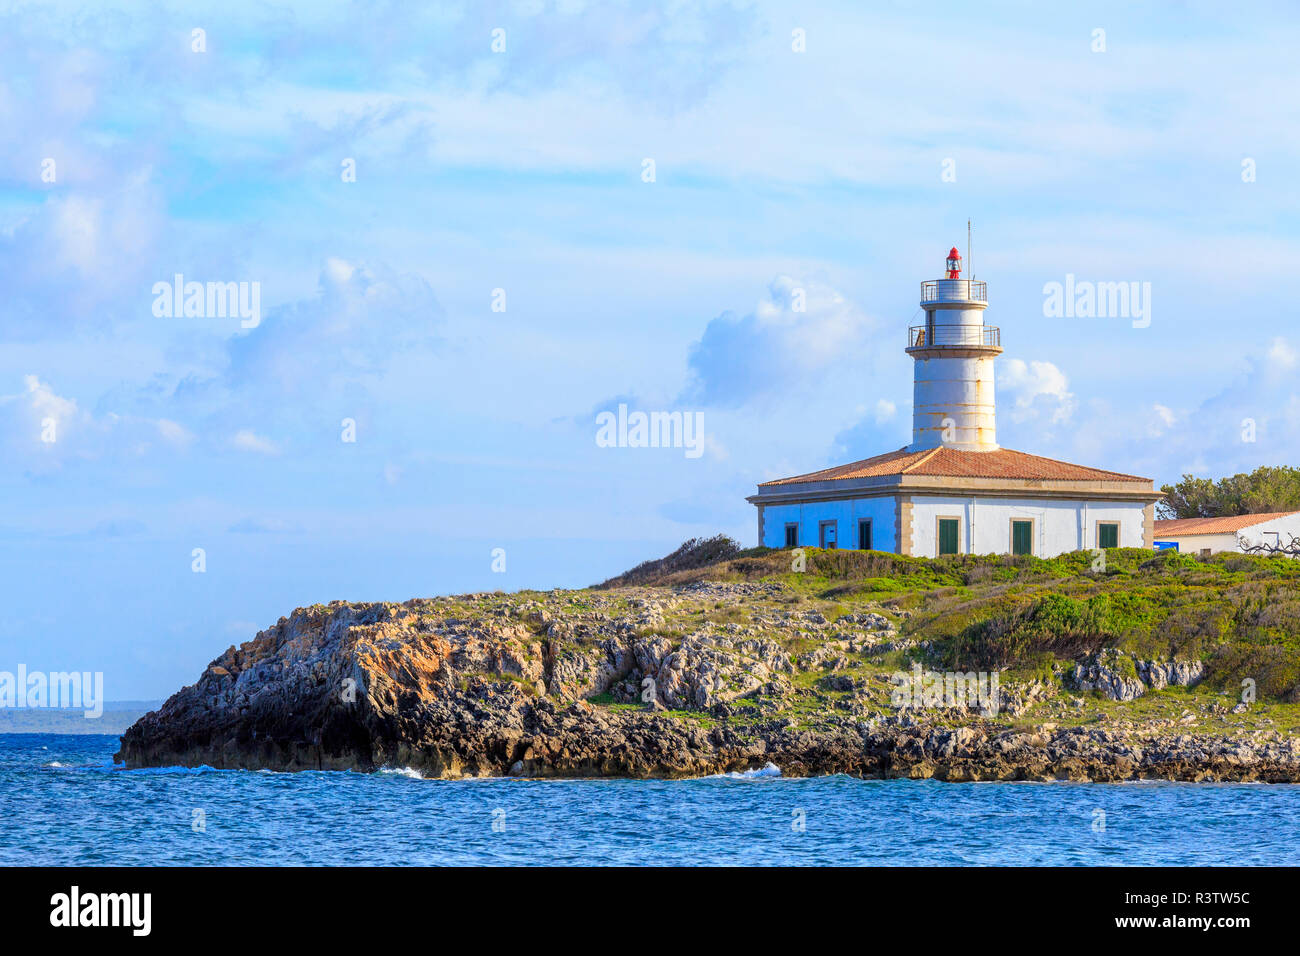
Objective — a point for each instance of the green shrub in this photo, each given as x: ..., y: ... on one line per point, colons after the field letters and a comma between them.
x: 1054, y: 624
x: 1275, y: 669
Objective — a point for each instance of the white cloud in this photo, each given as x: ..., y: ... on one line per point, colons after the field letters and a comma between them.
x: 801, y: 330
x: 1037, y: 390
x: 81, y: 258
x: 45, y: 405
x: 252, y: 525
x: 1162, y: 419
x: 174, y: 433
x: 1282, y: 355
x: 1253, y: 420
x: 247, y: 440
x: 44, y: 430
x: 360, y: 321
x: 714, y: 448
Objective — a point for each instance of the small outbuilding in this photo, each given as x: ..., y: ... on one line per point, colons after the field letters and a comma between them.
x: 1207, y: 536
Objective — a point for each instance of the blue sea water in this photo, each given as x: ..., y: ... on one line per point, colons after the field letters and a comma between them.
x: 63, y: 802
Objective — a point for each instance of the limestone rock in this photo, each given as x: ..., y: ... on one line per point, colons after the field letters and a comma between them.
x: 1120, y: 677
x: 1105, y: 672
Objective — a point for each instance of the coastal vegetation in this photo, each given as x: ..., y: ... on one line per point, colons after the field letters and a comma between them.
x: 1238, y: 613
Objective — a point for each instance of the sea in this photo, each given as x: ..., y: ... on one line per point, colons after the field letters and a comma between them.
x: 64, y: 802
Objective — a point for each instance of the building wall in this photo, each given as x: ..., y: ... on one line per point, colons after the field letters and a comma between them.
x: 1059, y: 525
x: 845, y: 514
x: 1285, y: 526
x: 1193, y: 543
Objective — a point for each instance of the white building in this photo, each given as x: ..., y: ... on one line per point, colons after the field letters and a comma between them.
x: 953, y: 490
x: 1232, y: 533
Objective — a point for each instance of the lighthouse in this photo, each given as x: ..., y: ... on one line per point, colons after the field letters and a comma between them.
x: 953, y: 490
x: 952, y: 377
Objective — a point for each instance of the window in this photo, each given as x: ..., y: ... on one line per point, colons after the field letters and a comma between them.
x: 864, y: 534
x: 949, y: 534
x: 1108, y: 534
x: 826, y: 534
x: 1022, y: 536
x: 791, y: 535
x: 1205, y: 552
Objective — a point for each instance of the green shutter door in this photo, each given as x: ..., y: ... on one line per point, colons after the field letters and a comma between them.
x: 948, y: 535
x: 1022, y: 537
x: 1108, y: 536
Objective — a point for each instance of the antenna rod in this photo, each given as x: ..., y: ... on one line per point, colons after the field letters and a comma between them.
x: 970, y: 266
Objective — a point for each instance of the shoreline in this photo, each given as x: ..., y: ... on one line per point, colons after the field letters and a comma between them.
x: 940, y: 773
x: 760, y: 773
x: 594, y: 746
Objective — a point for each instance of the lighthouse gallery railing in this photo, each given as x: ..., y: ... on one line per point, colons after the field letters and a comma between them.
x: 953, y: 336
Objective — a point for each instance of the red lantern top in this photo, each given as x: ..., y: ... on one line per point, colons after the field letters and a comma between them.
x: 954, y: 263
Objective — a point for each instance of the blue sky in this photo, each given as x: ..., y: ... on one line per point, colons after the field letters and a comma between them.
x: 778, y: 173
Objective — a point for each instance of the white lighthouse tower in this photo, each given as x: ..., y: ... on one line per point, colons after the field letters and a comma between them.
x: 953, y: 490
x: 952, y: 392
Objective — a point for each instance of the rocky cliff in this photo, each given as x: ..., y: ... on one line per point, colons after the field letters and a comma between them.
x: 681, y: 679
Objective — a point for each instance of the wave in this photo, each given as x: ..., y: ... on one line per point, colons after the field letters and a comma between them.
x: 409, y: 772
x: 768, y: 769
x: 167, y: 771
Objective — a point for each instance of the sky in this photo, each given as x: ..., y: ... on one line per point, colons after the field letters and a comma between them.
x: 475, y: 227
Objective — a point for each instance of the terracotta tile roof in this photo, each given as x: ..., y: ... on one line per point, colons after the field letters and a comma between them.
x: 950, y: 462
x: 1176, y: 527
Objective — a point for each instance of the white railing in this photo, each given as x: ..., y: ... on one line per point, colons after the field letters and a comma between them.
x: 954, y: 290
x: 953, y: 336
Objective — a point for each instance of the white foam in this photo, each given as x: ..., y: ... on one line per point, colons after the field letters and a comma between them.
x: 408, y: 772
x: 167, y: 771
x: 769, y: 769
